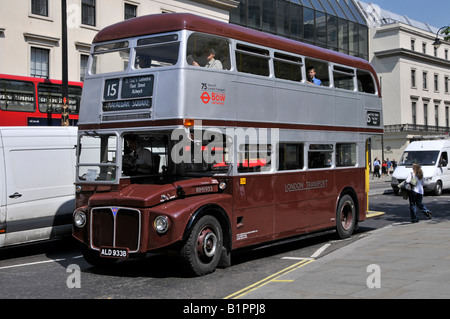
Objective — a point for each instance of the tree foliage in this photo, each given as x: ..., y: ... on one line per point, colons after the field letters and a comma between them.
x: 446, y: 33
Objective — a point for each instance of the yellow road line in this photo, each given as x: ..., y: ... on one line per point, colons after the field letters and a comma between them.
x: 272, y: 278
x: 372, y: 214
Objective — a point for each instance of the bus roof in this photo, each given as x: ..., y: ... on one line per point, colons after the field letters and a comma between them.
x: 170, y: 22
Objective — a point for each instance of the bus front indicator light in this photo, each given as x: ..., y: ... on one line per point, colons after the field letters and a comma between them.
x: 161, y: 224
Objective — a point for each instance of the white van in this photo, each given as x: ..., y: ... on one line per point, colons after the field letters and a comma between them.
x: 432, y: 155
x: 37, y: 171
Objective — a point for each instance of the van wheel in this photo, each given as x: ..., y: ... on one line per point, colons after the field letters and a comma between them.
x: 438, y: 189
x: 346, y: 217
x: 202, y: 250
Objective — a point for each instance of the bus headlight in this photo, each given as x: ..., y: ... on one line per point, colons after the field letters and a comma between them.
x: 79, y: 218
x: 161, y: 224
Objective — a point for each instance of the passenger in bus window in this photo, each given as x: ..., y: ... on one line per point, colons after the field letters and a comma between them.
x: 211, y: 63
x: 143, y: 62
x: 140, y: 160
x: 312, y: 76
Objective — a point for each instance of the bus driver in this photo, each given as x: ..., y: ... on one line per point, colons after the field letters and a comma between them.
x: 140, y: 160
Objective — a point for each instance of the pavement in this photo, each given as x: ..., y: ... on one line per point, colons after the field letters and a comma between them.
x: 399, y: 261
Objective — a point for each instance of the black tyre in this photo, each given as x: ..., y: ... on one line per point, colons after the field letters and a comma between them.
x: 438, y: 189
x: 202, y: 250
x: 346, y: 217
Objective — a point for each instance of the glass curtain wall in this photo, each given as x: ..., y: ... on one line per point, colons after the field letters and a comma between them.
x: 334, y: 24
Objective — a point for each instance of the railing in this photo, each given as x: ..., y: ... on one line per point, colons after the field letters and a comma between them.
x: 415, y: 128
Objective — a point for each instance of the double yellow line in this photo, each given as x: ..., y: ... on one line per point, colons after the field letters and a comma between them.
x: 272, y: 278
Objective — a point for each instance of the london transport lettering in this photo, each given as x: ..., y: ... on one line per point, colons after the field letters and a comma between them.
x: 300, y: 186
x: 212, y: 94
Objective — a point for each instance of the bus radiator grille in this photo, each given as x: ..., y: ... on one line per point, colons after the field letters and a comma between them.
x: 116, y: 227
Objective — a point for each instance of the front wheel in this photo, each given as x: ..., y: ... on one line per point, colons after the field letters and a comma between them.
x: 438, y: 189
x: 346, y: 217
x: 202, y: 250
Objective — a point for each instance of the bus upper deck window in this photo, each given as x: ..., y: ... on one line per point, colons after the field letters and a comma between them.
x: 157, y: 52
x: 343, y: 78
x: 208, y: 52
x: 365, y: 82
x: 288, y: 67
x: 111, y: 57
x: 252, y: 60
x: 321, y: 71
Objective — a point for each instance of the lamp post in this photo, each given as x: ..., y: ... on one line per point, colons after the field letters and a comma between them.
x: 437, y: 42
x: 65, y: 76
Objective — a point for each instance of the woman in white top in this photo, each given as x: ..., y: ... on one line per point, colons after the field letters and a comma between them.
x: 416, y: 193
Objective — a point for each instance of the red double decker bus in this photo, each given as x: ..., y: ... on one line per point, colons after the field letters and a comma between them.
x: 207, y: 137
x: 28, y: 101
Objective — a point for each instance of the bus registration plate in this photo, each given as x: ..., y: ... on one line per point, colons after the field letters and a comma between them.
x: 113, y: 252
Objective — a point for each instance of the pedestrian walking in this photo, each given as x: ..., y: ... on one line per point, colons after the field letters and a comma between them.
x: 376, y: 168
x: 415, y: 179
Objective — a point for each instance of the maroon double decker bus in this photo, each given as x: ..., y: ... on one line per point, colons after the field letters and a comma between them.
x: 206, y: 137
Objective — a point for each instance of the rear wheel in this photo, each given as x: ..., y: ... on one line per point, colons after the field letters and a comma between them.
x: 202, y: 250
x: 346, y: 217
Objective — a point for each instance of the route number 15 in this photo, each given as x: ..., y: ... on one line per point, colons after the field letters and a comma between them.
x: 111, y: 89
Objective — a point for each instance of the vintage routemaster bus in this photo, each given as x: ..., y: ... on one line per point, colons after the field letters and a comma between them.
x: 206, y: 137
x: 28, y: 101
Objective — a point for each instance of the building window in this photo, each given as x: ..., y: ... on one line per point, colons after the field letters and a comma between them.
x: 414, y: 112
x: 130, y: 11
x: 39, y: 7
x: 425, y: 82
x: 436, y: 82
x: 413, y: 44
x: 425, y: 113
x: 446, y: 54
x: 447, y: 118
x: 436, y: 115
x: 424, y: 48
x: 446, y: 84
x: 413, y: 78
x: 40, y: 63
x: 435, y: 52
x: 88, y: 12
x: 83, y: 66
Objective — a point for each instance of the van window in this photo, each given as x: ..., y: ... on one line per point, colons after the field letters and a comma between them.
x: 200, y: 47
x: 252, y: 60
x: 424, y: 158
x: 443, y: 161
